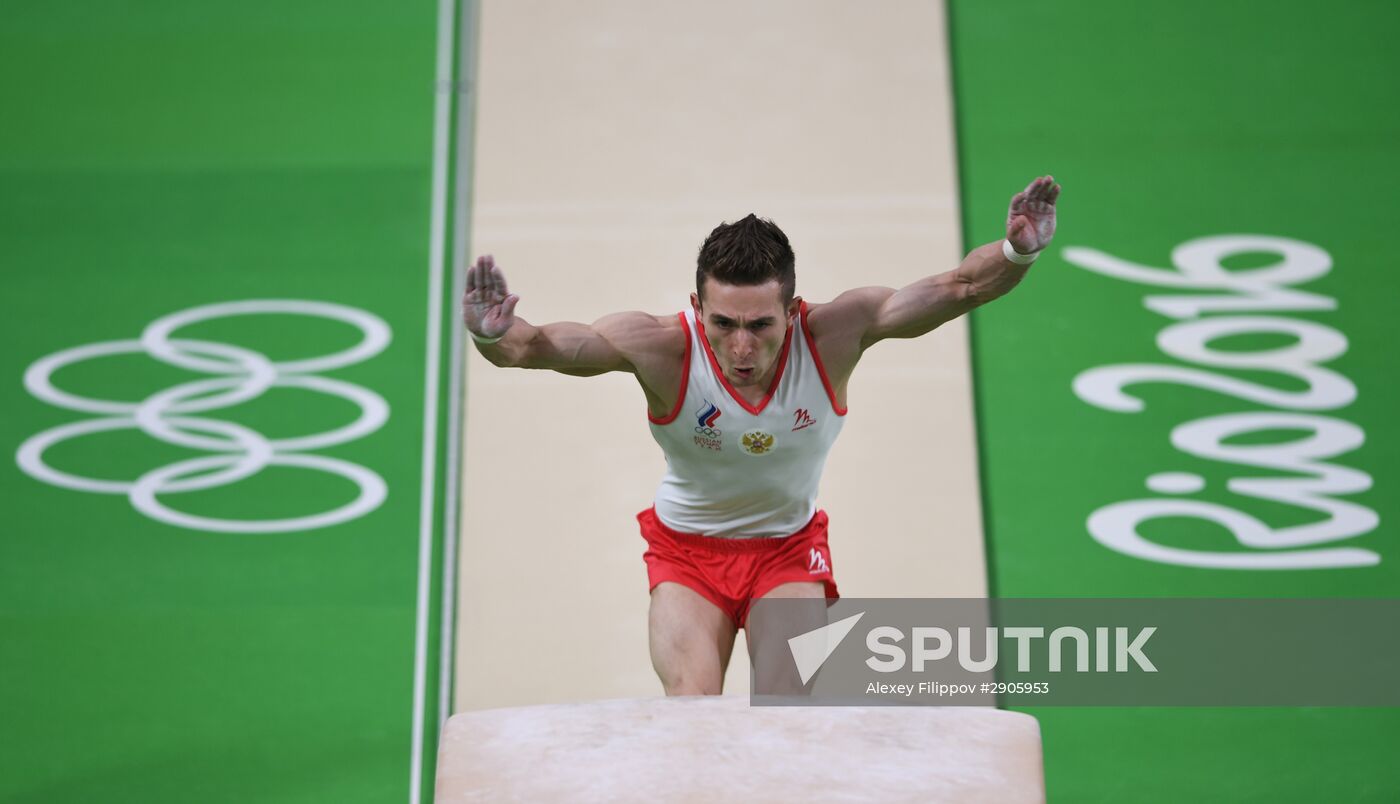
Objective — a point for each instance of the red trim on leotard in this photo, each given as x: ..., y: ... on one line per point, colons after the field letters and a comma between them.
x: 685, y: 379
x: 817, y: 358
x: 772, y: 388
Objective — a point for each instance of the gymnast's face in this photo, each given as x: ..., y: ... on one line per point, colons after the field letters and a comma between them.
x: 746, y: 326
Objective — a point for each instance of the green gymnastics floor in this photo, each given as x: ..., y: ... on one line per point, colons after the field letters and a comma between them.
x: 1192, y: 138
x: 226, y: 324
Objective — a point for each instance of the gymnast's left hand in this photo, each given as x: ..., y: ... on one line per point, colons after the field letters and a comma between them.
x: 1030, y: 221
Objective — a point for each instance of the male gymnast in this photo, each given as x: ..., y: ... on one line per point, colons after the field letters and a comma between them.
x: 745, y: 393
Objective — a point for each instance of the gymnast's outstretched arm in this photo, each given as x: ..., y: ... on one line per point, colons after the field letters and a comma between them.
x: 625, y: 342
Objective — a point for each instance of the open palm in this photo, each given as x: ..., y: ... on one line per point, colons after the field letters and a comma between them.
x: 488, y: 306
x: 1030, y: 221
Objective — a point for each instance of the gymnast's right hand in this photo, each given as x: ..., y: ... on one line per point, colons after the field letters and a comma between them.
x: 488, y: 307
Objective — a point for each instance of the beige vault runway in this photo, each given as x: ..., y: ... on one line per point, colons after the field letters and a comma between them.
x: 611, y: 137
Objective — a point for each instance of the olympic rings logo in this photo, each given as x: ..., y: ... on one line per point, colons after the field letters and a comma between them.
x: 242, y: 375
x: 709, y: 432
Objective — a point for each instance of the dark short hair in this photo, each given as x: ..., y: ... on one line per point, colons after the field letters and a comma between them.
x: 748, y: 252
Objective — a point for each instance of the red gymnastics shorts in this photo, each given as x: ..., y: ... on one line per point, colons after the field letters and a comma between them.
x: 732, y: 573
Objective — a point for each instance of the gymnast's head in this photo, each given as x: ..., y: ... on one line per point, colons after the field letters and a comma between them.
x: 745, y: 284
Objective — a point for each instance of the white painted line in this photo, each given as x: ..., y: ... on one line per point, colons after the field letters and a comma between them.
x: 461, y: 221
x: 442, y: 110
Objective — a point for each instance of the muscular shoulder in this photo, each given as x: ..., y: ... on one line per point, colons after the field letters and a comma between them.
x: 846, y: 318
x: 840, y: 329
x: 642, y: 338
x: 654, y: 348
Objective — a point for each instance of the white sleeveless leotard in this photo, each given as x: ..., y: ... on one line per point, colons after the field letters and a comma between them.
x: 741, y: 471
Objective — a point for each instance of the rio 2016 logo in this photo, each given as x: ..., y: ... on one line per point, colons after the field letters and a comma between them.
x: 175, y: 416
x: 1297, y: 472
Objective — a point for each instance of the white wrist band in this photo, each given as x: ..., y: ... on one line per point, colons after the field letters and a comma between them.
x: 1016, y: 256
x: 480, y: 339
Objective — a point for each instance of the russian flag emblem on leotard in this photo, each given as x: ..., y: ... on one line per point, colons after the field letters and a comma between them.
x: 708, y: 415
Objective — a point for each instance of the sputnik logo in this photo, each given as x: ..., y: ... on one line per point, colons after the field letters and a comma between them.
x: 811, y: 650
